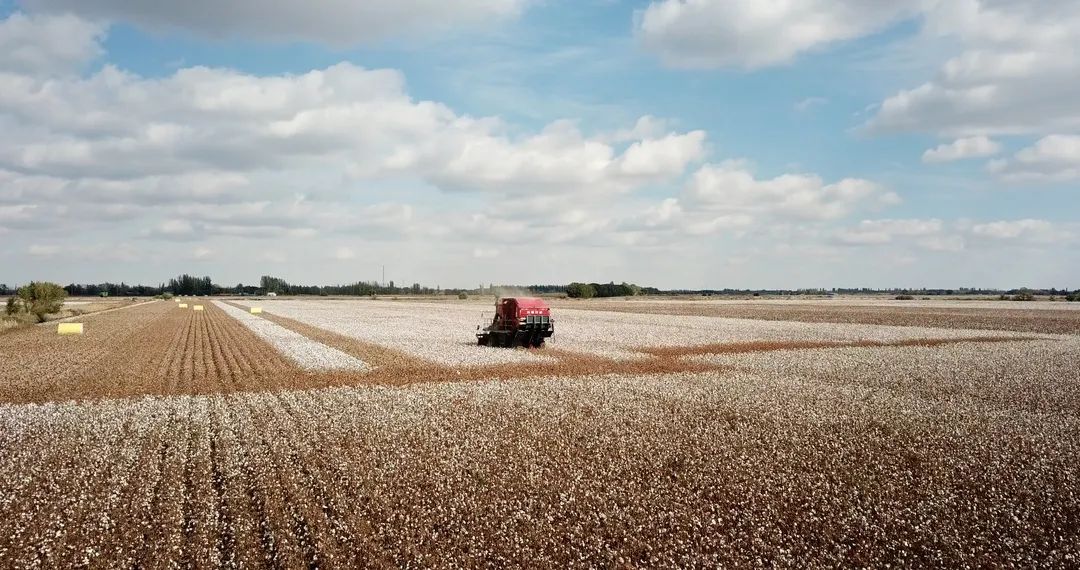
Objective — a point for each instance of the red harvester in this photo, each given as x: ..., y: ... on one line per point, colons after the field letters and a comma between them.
x: 519, y: 321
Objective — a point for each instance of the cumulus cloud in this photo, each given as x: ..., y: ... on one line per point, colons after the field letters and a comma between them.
x: 756, y: 33
x: 1022, y: 231
x: 875, y: 232
x: 210, y: 152
x: 48, y: 44
x: 962, y: 148
x: 335, y: 22
x: 1051, y: 158
x: 219, y: 123
x: 731, y: 187
x: 934, y: 234
x: 1016, y: 73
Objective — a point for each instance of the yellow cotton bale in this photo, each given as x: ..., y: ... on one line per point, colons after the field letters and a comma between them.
x: 256, y: 310
x: 197, y: 308
x: 183, y: 305
x: 69, y: 328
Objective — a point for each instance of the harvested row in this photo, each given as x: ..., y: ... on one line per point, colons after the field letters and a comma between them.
x: 1049, y: 318
x: 167, y: 350
x: 37, y: 365
x: 710, y: 469
x: 305, y: 352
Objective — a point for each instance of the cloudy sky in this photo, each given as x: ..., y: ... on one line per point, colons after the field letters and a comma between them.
x: 674, y: 143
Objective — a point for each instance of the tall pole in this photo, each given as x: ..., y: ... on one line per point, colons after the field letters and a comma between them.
x: 384, y: 276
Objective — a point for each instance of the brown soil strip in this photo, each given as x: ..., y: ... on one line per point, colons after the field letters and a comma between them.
x: 775, y: 345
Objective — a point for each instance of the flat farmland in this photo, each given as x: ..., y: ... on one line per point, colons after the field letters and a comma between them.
x: 337, y: 433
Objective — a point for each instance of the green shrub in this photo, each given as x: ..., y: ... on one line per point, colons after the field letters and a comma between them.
x: 1023, y: 295
x: 41, y: 298
x: 13, y: 307
x: 462, y: 296
x: 580, y: 291
x: 905, y: 298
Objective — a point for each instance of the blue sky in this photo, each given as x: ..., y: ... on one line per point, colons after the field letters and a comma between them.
x: 675, y: 143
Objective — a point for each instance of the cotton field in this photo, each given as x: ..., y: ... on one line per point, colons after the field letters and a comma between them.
x: 332, y: 433
x: 442, y: 333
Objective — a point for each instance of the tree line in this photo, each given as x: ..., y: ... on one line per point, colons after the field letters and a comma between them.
x: 589, y: 290
x: 191, y: 285
x: 271, y: 284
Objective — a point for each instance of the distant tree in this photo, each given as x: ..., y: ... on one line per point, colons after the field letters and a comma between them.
x: 1024, y: 295
x: 182, y: 285
x: 580, y: 291
x: 3, y: 288
x: 41, y: 298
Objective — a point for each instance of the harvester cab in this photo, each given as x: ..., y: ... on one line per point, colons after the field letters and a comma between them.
x: 518, y: 321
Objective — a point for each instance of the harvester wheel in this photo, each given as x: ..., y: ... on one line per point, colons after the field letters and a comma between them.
x: 480, y: 341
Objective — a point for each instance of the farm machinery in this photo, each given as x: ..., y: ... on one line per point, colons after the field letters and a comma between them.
x: 518, y: 321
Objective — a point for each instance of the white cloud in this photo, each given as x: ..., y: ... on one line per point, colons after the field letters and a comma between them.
x: 201, y: 253
x: 810, y: 103
x: 876, y: 232
x: 959, y: 149
x: 662, y: 157
x: 1051, y: 158
x: 43, y: 250
x: 344, y: 254
x: 1017, y: 71
x: 46, y: 44
x: 731, y: 187
x: 220, y: 123
x: 475, y: 155
x: 646, y: 127
x: 757, y: 33
x: 1024, y: 231
x: 335, y: 22
x: 175, y: 227
x: 949, y: 237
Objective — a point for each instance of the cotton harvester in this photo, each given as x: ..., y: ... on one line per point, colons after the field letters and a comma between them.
x: 519, y: 321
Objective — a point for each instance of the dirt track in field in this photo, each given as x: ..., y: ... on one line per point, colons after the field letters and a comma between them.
x: 1047, y: 321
